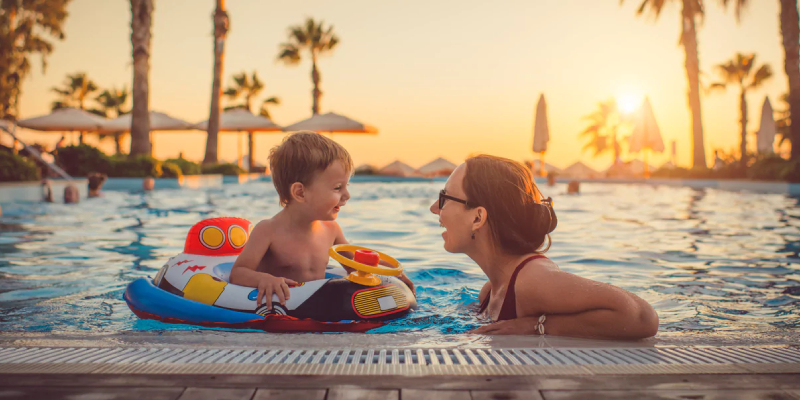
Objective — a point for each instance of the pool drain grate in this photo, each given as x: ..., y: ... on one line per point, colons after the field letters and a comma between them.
x: 400, y: 360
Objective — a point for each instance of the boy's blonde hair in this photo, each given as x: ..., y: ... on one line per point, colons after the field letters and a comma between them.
x: 300, y: 156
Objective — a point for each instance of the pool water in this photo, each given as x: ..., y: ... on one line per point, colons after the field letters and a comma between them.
x: 708, y: 260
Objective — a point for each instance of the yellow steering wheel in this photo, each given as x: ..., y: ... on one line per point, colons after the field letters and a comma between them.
x: 363, y: 273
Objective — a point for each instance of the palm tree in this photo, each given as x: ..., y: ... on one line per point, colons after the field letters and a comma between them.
x: 141, y: 23
x: 112, y: 105
x: 221, y: 26
x: 77, y: 87
x: 249, y: 88
x: 264, y: 111
x: 691, y: 12
x: 244, y: 87
x: 26, y: 28
x: 603, y: 129
x: 790, y: 31
x: 738, y: 71
x: 315, y: 38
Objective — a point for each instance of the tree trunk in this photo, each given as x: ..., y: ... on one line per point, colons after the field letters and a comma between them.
x: 118, y: 142
x: 220, y: 30
x: 141, y: 22
x: 743, y: 120
x: 316, y: 93
x: 689, y: 42
x: 251, y: 157
x: 790, y: 30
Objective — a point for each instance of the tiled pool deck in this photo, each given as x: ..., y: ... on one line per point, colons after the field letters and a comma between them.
x: 224, y: 365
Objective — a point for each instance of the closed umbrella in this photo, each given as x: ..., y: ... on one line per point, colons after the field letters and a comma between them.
x: 541, y: 132
x: 65, y: 119
x: 646, y: 135
x: 331, y: 123
x: 766, y: 132
x: 242, y: 120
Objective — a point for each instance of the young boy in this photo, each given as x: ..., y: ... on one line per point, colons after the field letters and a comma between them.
x: 311, y: 173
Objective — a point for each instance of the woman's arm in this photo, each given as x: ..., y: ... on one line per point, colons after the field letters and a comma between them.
x: 576, y: 306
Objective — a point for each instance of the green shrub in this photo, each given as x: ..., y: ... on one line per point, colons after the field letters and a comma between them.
x: 770, y: 168
x: 15, y: 168
x: 170, y: 170
x: 82, y: 159
x: 224, y: 169
x: 187, y: 167
x: 134, y: 167
x: 791, y: 172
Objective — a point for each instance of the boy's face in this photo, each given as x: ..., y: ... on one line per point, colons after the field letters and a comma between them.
x: 328, y: 192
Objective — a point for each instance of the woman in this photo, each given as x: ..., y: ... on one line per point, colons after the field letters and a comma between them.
x: 492, y: 211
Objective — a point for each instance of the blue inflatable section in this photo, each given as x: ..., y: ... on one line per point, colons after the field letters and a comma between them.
x: 142, y: 295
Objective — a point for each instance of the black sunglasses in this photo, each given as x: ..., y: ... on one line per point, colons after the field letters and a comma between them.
x: 444, y: 197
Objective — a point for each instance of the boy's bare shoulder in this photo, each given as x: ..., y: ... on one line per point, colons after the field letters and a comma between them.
x: 264, y: 227
x: 333, y: 228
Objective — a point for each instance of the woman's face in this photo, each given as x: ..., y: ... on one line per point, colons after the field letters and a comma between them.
x: 455, y: 217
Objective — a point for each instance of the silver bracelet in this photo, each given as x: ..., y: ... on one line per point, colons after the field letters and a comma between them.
x: 540, y: 325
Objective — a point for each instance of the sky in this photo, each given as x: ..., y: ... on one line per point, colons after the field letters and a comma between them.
x: 438, y: 78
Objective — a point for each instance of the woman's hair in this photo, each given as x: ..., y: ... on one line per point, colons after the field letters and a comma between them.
x: 519, y: 217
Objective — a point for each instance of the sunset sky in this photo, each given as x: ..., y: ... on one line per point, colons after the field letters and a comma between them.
x: 438, y: 78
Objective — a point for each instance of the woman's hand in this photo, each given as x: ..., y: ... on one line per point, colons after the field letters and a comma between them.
x: 269, y: 285
x: 517, y: 326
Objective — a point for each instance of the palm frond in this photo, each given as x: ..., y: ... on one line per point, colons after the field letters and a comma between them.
x: 761, y: 75
x: 289, y: 54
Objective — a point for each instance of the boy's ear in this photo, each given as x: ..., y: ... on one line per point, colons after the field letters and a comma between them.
x: 298, y: 192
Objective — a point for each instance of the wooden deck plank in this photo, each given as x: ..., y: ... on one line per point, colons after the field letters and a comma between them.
x: 195, y: 393
x: 667, y: 395
x: 362, y: 394
x: 290, y: 394
x: 104, y: 393
x: 505, y: 395
x: 421, y: 394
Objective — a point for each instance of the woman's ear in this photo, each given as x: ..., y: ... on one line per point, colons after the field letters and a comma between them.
x: 298, y: 192
x: 480, y: 218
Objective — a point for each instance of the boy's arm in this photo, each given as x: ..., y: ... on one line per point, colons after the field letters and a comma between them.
x: 244, y: 271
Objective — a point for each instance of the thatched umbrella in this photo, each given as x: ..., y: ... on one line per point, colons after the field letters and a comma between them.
x: 331, y: 123
x: 241, y: 120
x: 158, y: 122
x: 65, y: 120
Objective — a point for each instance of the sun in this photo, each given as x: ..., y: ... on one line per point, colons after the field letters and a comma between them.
x: 628, y: 102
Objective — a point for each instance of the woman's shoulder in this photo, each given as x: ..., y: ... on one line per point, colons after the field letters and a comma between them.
x: 534, y: 271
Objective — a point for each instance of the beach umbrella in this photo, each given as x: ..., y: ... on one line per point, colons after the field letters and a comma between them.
x: 541, y: 132
x: 242, y: 120
x: 766, y: 133
x: 437, y: 167
x: 158, y: 122
x: 331, y: 123
x: 646, y: 135
x: 64, y: 120
x: 397, y: 168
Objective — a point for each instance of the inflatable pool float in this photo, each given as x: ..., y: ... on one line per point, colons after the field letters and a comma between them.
x: 193, y: 288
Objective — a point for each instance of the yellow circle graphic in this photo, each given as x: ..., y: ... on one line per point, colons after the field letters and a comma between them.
x: 237, y: 236
x: 212, y: 237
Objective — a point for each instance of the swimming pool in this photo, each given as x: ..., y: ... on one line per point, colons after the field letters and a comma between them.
x: 710, y: 261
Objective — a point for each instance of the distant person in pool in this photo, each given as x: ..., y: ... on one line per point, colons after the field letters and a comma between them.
x: 310, y: 173
x: 492, y: 210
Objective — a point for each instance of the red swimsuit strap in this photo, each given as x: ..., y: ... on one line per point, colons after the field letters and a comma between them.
x: 509, y: 308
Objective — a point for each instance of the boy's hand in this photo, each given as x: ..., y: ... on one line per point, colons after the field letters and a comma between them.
x: 268, y: 285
